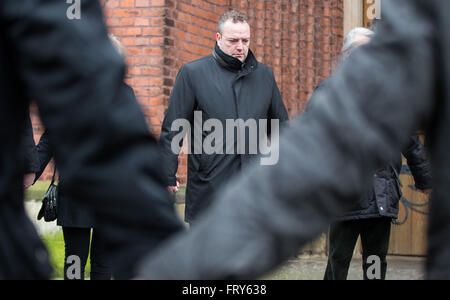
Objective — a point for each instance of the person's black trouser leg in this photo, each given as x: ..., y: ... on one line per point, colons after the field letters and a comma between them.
x: 100, y: 266
x: 375, y: 235
x: 343, y: 237
x: 76, y: 242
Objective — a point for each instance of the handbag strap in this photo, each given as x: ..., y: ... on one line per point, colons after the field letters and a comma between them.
x: 53, y: 177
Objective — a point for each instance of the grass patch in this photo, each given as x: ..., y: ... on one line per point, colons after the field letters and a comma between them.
x: 55, y: 246
x: 37, y: 191
x: 181, y: 195
x: 55, y: 241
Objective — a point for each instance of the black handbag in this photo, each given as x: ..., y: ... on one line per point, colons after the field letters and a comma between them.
x: 50, y: 203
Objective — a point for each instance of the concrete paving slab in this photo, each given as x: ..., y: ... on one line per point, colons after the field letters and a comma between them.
x: 313, y: 268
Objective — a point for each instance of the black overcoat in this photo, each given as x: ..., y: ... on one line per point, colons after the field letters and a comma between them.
x: 32, y: 162
x: 218, y: 90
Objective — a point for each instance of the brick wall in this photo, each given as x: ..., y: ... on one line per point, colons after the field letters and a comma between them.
x: 299, y: 39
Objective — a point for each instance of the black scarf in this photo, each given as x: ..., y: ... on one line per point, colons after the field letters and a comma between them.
x: 232, y: 63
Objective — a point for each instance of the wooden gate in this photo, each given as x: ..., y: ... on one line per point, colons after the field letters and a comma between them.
x: 410, y: 237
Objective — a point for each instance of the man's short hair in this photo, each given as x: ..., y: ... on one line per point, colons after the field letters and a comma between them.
x: 117, y: 44
x: 351, y: 37
x: 234, y: 16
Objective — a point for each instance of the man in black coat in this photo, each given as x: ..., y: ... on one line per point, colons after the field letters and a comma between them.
x: 372, y: 215
x: 229, y: 84
x: 98, y: 134
x: 381, y: 95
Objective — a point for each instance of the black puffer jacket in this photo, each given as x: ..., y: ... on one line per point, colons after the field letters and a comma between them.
x: 381, y: 198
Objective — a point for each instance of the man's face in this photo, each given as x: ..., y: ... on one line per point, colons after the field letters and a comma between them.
x: 235, y: 39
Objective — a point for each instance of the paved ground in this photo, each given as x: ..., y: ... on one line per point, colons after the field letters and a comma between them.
x: 302, y: 268
x: 313, y: 268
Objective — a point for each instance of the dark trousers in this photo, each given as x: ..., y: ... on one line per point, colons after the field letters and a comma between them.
x: 375, y: 234
x: 77, y: 242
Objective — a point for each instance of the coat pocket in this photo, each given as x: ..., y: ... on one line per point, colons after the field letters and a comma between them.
x: 394, y: 193
x: 365, y: 200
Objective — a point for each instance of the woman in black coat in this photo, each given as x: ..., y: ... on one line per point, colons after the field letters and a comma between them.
x: 77, y: 222
x: 31, y: 163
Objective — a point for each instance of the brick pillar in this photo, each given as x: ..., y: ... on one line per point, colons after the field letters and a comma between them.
x: 190, y: 27
x: 161, y: 36
x: 139, y: 25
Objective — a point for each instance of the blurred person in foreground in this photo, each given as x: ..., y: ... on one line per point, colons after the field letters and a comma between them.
x: 97, y: 132
x: 104, y: 147
x: 81, y: 238
x: 382, y: 94
x: 372, y: 215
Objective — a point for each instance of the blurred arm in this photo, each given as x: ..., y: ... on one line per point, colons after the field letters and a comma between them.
x: 102, y: 145
x: 361, y: 120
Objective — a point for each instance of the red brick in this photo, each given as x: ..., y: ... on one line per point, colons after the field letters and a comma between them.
x: 153, y: 31
x: 134, y: 31
x: 143, y: 3
x: 127, y: 22
x: 126, y: 3
x: 153, y: 51
x: 156, y: 101
x: 142, y: 22
x: 123, y: 13
x: 111, y: 4
x: 154, y: 3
